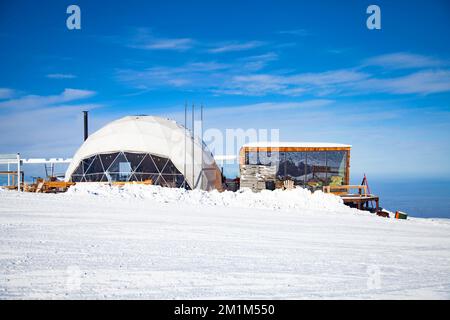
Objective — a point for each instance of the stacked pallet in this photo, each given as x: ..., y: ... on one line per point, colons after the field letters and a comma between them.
x: 255, y: 176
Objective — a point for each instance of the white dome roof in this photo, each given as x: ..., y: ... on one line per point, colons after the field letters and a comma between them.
x: 157, y: 136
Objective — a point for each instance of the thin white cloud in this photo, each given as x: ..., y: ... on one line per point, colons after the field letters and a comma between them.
x: 293, y: 84
x: 180, y: 44
x: 245, y: 76
x: 404, y: 60
x: 61, y: 112
x: 36, y: 101
x: 144, y: 38
x: 258, y: 62
x: 329, y: 77
x: 336, y: 51
x: 255, y: 84
x: 6, y: 93
x: 61, y: 76
x: 422, y: 82
x: 236, y: 46
x: 266, y: 106
x: 238, y: 78
x: 191, y: 75
x: 66, y: 120
x: 296, y: 32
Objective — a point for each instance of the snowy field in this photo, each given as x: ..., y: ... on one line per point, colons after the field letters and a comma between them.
x: 153, y: 243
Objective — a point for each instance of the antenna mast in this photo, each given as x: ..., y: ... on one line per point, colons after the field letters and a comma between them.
x: 201, y: 141
x: 185, y: 142
x: 193, y: 138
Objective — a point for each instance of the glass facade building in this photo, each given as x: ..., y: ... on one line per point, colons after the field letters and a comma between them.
x: 310, y: 167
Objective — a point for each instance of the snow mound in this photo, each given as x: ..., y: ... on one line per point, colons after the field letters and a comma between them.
x: 296, y: 199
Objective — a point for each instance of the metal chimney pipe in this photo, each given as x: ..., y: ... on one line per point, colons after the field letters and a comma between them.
x: 86, y: 132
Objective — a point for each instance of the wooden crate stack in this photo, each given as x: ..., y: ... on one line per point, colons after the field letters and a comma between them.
x: 255, y: 176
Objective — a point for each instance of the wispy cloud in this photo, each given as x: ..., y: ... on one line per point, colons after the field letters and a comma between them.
x: 236, y: 46
x: 37, y: 101
x: 337, y: 50
x: 255, y: 85
x: 66, y: 120
x: 208, y: 75
x: 333, y: 77
x: 296, y: 32
x: 258, y: 62
x: 147, y: 39
x: 180, y: 44
x: 144, y: 38
x: 6, y: 93
x: 404, y: 60
x: 422, y: 82
x: 191, y: 75
x: 292, y: 84
x: 239, y: 78
x: 269, y: 106
x: 61, y: 112
x: 250, y: 76
x: 61, y: 76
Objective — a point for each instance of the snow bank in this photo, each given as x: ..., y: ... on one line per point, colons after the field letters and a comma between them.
x: 296, y: 199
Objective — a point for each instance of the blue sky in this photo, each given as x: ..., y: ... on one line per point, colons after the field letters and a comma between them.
x: 310, y: 69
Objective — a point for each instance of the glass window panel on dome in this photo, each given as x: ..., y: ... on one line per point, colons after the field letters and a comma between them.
x: 113, y: 176
x: 166, y: 167
x: 124, y: 170
x: 96, y: 166
x: 108, y: 176
x: 76, y: 178
x: 107, y: 159
x: 135, y: 159
x: 147, y: 165
x: 159, y: 162
x: 93, y: 177
x: 79, y: 170
x: 104, y: 178
x: 86, y: 163
x: 172, y: 180
x: 82, y: 168
x: 170, y: 168
x: 115, y: 165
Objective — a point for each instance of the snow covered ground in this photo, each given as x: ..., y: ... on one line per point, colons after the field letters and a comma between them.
x: 148, y: 242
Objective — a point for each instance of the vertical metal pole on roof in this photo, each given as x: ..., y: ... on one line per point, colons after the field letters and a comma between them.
x: 185, y: 142
x: 201, y: 141
x: 8, y: 175
x: 18, y: 172
x: 193, y: 158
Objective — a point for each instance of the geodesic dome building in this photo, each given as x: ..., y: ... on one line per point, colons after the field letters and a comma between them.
x: 139, y: 148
